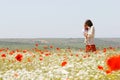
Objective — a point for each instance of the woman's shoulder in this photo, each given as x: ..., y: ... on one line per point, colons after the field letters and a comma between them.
x: 92, y: 27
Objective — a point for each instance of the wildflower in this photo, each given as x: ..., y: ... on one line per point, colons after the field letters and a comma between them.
x: 51, y: 46
x: 84, y: 56
x: 41, y: 58
x: 12, y: 52
x: 110, y: 48
x: 24, y: 51
x: 19, y: 57
x: 104, y: 50
x: 46, y: 54
x: 108, y: 71
x: 17, y: 50
x: 3, y: 55
x: 36, y: 44
x: 100, y: 67
x: 1, y: 50
x: 77, y: 55
x: 114, y: 63
x: 58, y: 49
x: 63, y: 63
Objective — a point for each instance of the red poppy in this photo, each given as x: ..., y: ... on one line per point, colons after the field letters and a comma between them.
x: 41, y: 52
x: 12, y: 52
x: 41, y: 58
x: 84, y: 56
x: 110, y: 47
x: 64, y: 63
x: 77, y: 55
x: 51, y: 46
x: 36, y: 44
x: 114, y: 63
x: 1, y: 50
x: 46, y: 54
x: 100, y: 67
x: 108, y: 71
x: 58, y: 49
x: 88, y: 55
x: 104, y: 50
x: 19, y: 57
x: 3, y: 55
x: 17, y: 50
x: 24, y: 51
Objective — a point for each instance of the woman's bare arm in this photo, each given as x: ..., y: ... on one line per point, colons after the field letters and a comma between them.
x: 91, y: 32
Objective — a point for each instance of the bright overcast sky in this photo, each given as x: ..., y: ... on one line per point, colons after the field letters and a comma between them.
x: 58, y: 18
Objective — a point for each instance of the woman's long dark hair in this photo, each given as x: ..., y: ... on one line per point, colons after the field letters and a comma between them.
x: 88, y: 23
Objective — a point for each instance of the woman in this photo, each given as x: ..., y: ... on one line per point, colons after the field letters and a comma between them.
x: 89, y: 33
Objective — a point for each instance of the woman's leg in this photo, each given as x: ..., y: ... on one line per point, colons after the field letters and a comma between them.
x: 88, y: 48
x: 93, y: 48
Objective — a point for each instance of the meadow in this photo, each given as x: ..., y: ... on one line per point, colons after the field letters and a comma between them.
x: 58, y: 59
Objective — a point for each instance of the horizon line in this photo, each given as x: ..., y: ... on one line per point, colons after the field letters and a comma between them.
x: 50, y: 37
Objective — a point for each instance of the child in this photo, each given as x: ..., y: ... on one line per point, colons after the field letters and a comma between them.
x: 89, y: 33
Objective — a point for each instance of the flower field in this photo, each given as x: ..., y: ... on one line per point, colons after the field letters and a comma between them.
x: 53, y: 63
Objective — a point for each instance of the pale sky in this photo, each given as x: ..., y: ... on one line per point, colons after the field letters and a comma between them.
x: 58, y: 18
